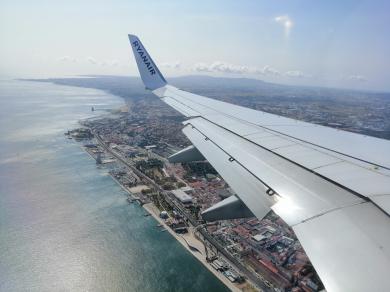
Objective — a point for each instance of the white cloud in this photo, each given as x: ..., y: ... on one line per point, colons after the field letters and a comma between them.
x: 268, y: 70
x: 295, y: 74
x: 173, y: 65
x: 286, y: 22
x: 358, y: 78
x: 201, y: 67
x: 67, y: 59
x: 92, y: 60
x: 220, y: 67
x: 223, y: 67
x: 228, y: 68
x: 113, y: 63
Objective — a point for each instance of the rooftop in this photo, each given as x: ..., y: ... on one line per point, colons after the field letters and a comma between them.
x: 182, y: 196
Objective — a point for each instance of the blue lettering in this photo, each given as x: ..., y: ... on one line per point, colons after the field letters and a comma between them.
x: 144, y: 58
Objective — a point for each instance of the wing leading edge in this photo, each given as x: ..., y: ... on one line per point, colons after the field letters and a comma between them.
x: 334, y: 196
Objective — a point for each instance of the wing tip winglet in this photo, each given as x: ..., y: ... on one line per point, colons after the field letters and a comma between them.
x: 150, y: 74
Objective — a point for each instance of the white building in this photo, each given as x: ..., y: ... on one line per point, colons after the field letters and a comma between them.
x: 182, y: 196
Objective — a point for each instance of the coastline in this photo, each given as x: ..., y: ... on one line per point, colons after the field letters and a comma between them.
x: 184, y: 239
x: 189, y: 238
x: 66, y: 225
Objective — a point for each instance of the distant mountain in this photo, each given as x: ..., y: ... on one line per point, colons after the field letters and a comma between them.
x: 209, y: 81
x: 222, y: 88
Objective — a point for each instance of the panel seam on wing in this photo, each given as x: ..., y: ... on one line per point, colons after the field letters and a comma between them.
x: 330, y: 211
x: 289, y: 160
x: 280, y: 133
x: 271, y: 192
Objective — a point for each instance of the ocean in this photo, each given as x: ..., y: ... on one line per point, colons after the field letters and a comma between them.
x: 65, y: 225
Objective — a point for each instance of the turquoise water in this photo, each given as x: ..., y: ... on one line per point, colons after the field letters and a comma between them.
x: 65, y: 224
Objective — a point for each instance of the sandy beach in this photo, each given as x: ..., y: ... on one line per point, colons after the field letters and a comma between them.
x: 186, y: 240
x: 189, y: 238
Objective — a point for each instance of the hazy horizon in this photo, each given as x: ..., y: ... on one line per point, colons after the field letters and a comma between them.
x: 330, y: 44
x: 174, y: 77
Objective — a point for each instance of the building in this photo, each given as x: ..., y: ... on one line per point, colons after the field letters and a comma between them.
x: 164, y: 215
x: 187, y: 189
x: 182, y: 196
x: 259, y: 237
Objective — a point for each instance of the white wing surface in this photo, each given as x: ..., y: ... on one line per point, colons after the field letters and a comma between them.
x: 332, y: 187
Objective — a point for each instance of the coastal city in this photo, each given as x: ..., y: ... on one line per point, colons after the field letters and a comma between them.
x: 195, y: 146
x: 133, y: 143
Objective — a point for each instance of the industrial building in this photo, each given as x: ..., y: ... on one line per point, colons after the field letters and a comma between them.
x: 182, y: 196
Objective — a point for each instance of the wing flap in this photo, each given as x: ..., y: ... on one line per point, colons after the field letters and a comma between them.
x: 310, y: 158
x: 297, y: 188
x: 383, y: 201
x: 350, y: 248
x: 363, y: 180
x: 248, y: 188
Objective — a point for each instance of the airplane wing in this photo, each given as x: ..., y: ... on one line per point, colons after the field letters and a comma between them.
x: 332, y: 187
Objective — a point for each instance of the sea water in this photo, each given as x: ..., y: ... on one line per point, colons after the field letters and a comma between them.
x: 65, y: 225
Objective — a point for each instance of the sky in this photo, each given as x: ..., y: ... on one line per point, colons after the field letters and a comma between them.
x: 301, y: 42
